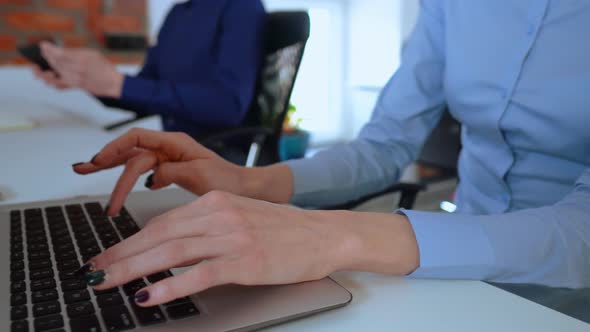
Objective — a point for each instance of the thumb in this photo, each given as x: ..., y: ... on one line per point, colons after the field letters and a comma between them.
x: 172, y: 173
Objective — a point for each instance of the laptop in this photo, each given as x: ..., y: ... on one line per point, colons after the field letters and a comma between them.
x: 42, y: 243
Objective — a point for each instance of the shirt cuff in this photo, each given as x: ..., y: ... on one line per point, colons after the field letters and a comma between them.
x: 451, y: 246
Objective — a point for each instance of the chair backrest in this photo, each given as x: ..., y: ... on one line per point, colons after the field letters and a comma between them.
x: 286, y: 38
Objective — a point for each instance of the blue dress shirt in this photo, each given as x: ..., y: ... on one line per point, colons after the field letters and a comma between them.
x: 202, y: 73
x: 516, y: 74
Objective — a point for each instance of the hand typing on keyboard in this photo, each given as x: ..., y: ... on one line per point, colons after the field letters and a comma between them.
x: 230, y: 239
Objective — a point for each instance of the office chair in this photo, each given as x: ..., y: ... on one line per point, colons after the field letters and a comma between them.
x: 287, y: 35
x: 440, y: 150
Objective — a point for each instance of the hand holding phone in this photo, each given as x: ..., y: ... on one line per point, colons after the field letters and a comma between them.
x: 33, y: 53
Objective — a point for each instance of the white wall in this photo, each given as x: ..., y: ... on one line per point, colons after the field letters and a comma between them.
x: 377, y: 31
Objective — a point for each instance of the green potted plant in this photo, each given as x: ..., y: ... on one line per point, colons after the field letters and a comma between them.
x: 294, y: 141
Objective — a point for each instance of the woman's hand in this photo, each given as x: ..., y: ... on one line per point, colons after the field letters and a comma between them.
x: 80, y: 68
x: 237, y: 240
x: 177, y: 158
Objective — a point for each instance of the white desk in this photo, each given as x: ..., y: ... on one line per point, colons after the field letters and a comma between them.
x: 35, y: 165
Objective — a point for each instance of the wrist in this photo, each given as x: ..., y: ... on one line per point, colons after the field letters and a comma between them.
x: 271, y: 183
x: 373, y: 242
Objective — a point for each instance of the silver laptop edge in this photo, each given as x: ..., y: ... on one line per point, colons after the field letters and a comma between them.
x: 228, y: 308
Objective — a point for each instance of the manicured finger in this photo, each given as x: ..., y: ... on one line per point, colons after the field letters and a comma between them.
x: 89, y: 167
x: 134, y: 168
x: 153, y: 235
x: 174, y: 146
x: 171, y: 254
x: 205, y: 275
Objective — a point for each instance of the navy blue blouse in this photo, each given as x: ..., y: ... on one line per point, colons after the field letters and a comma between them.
x: 202, y: 73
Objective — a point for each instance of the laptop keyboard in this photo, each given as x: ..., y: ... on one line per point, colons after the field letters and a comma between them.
x: 47, y: 245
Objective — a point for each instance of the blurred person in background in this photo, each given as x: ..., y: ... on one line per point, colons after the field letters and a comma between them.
x: 200, y: 76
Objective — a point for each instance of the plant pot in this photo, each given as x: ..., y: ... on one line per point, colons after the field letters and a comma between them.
x: 293, y: 145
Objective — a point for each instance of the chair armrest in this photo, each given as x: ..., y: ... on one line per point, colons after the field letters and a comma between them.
x: 123, y: 123
x: 409, y: 191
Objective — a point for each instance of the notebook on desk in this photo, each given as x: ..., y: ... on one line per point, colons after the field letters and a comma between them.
x: 16, y: 122
x: 42, y: 244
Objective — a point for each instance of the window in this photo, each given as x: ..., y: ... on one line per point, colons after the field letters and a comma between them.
x: 319, y: 88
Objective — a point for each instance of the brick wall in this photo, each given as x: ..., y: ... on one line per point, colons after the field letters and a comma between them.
x: 73, y: 23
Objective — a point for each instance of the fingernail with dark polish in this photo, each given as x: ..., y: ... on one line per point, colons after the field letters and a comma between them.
x: 77, y: 164
x: 95, y: 278
x: 142, y: 297
x: 94, y: 158
x: 149, y: 182
x: 86, y: 268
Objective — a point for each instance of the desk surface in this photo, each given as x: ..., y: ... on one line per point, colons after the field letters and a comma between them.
x: 36, y: 165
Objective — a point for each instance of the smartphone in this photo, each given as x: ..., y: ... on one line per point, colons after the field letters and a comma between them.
x: 33, y: 53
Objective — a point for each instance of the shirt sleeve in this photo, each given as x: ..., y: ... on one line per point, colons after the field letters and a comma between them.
x: 409, y: 107
x: 548, y: 246
x: 223, y: 97
x: 149, y: 71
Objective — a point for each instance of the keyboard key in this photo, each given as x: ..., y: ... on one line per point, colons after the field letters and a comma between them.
x: 46, y: 308
x: 69, y: 265
x: 109, y: 243
x: 109, y: 300
x: 17, y: 276
x: 40, y: 265
x: 80, y: 309
x: 18, y: 287
x: 132, y: 287
x: 40, y: 274
x: 16, y: 239
x: 148, y: 316
x: 85, y: 324
x: 106, y: 291
x: 66, y: 238
x: 17, y: 256
x: 180, y: 311
x: 18, y: 299
x: 41, y: 284
x: 61, y: 247
x: 37, y: 232
x: 55, y: 233
x: 178, y: 301
x: 15, y: 215
x: 16, y: 247
x: 38, y: 247
x: 89, y: 250
x: 36, y: 239
x: 17, y: 266
x: 20, y: 326
x: 38, y: 255
x: 154, y: 278
x: 67, y: 275
x: 49, y: 323
x: 76, y: 296
x: 73, y: 284
x: 117, y: 318
x: 65, y: 256
x: 19, y: 312
x: 45, y: 295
